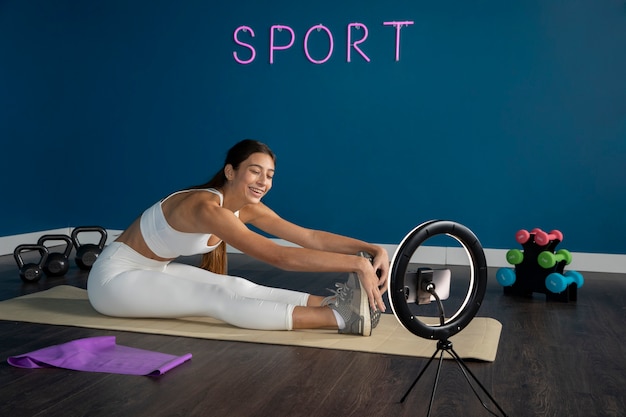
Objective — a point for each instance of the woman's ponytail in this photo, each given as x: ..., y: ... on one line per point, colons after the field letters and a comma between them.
x: 216, y: 260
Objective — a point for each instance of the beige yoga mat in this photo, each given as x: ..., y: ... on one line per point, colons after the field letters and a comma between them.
x: 68, y: 306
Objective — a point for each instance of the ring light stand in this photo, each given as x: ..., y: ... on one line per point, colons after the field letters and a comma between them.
x: 461, y: 318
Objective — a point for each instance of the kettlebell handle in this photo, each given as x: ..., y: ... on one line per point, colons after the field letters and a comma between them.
x: 81, y: 229
x: 17, y: 254
x: 68, y: 242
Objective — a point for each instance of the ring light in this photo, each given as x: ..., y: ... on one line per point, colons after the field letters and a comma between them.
x: 477, y: 285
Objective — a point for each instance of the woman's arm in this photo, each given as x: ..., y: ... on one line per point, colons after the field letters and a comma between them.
x: 223, y: 223
x: 267, y: 220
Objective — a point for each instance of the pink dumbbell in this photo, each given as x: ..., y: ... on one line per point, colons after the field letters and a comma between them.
x: 542, y: 238
x: 522, y: 236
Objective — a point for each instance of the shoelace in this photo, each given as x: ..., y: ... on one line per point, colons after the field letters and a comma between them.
x: 341, y: 292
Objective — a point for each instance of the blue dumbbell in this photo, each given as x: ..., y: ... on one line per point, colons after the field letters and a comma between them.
x: 557, y: 283
x: 505, y: 277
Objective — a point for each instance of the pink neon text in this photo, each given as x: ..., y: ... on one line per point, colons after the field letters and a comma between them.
x: 357, y: 34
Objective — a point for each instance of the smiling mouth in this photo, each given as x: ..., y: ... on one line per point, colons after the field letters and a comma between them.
x: 257, y: 191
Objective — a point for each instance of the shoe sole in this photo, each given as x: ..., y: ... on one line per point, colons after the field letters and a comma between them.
x: 364, y: 306
x: 374, y: 313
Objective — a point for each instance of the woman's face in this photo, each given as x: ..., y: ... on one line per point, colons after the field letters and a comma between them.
x: 253, y: 178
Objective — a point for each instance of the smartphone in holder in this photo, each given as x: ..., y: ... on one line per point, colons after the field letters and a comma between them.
x: 413, y: 279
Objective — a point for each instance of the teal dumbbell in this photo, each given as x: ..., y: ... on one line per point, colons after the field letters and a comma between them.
x: 557, y: 283
x: 514, y: 256
x: 505, y: 277
x: 548, y: 259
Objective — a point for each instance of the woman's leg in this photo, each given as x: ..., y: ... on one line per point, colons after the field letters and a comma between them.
x: 144, y: 293
x: 241, y: 286
x: 122, y: 283
x: 307, y: 313
x: 314, y: 318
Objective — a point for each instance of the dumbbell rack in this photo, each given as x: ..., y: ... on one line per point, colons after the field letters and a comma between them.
x: 531, y: 276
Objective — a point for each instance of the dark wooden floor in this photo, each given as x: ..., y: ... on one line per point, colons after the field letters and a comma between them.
x: 554, y: 359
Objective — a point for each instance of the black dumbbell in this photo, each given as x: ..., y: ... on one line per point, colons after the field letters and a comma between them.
x: 58, y: 263
x: 30, y: 272
x: 87, y: 254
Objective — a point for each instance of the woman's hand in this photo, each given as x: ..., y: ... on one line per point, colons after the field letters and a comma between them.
x: 381, y: 266
x: 371, y: 283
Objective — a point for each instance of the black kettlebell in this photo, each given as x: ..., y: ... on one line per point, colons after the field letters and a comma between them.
x: 58, y: 263
x: 30, y: 272
x: 87, y: 254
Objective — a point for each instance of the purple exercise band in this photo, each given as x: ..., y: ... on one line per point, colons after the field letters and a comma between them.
x: 99, y: 354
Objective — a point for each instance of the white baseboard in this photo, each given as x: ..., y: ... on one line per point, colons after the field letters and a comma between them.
x: 435, y: 255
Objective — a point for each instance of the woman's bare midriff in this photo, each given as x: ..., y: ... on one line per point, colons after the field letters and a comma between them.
x: 133, y: 238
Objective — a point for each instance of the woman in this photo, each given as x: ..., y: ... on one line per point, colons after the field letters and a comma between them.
x: 135, y: 276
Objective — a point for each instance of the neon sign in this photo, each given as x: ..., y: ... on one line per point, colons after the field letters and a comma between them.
x: 352, y: 44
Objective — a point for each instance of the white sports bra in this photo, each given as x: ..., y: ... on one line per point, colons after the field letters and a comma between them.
x: 167, y: 242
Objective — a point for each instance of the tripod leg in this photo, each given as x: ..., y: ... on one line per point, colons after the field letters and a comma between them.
x: 419, y: 376
x: 467, y: 373
x: 432, y: 395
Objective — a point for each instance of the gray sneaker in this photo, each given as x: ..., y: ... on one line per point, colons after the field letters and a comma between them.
x: 352, y: 305
x: 374, y: 314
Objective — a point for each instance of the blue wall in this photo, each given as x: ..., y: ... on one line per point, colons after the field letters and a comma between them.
x: 499, y: 114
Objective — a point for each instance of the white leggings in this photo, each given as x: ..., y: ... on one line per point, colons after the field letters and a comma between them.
x: 124, y: 283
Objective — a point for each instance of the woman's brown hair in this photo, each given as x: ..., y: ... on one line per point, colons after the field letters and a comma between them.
x: 216, y: 260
